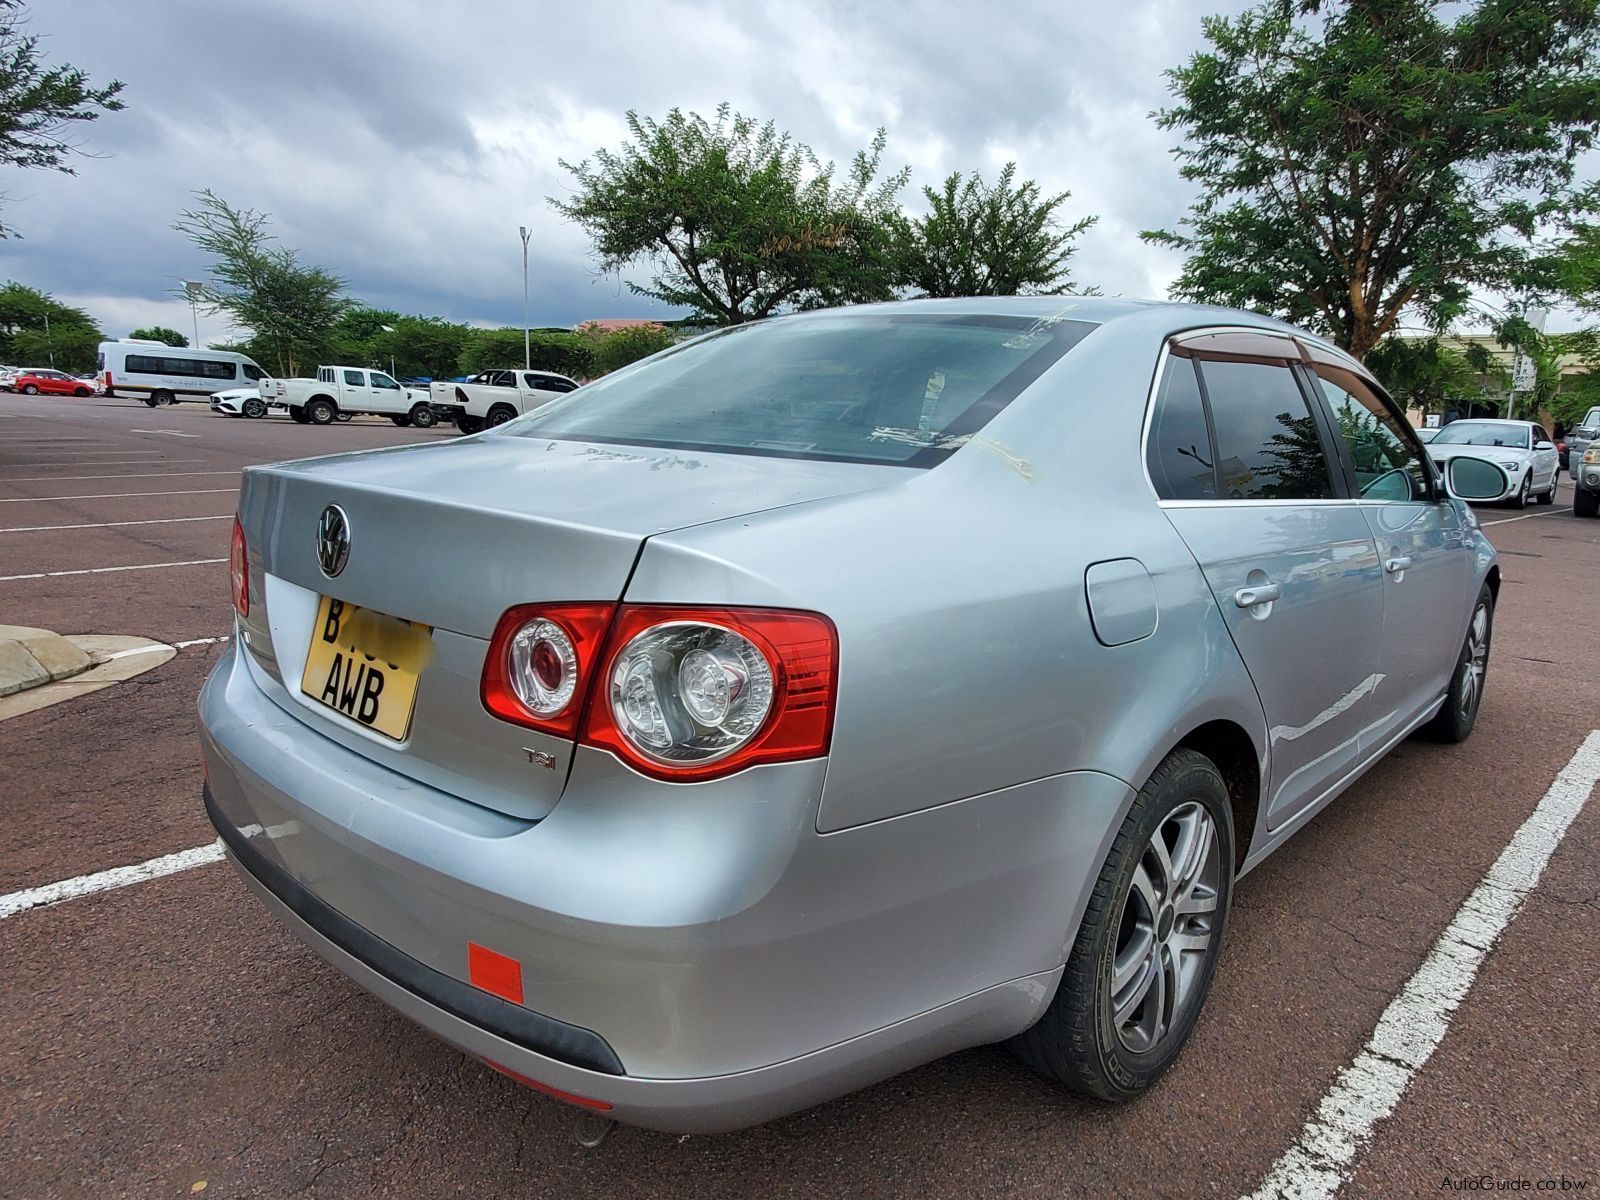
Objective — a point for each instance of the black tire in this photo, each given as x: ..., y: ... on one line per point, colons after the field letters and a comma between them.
x: 321, y: 411
x: 255, y: 409
x: 1077, y: 1041
x: 161, y: 396
x: 499, y: 415
x: 469, y: 424
x: 81, y: 392
x: 31, y: 389
x: 151, y: 401
x: 1455, y: 721
x: 401, y: 419
x: 1549, y: 497
x: 1585, y: 503
x: 1520, y: 500
x: 297, y: 414
x: 344, y: 416
x: 422, y: 416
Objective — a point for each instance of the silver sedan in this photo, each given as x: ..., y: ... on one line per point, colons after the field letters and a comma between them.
x: 824, y: 695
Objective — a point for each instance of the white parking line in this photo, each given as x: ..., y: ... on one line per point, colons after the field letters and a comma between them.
x: 114, y: 462
x: 113, y: 524
x: 103, y: 881
x: 188, y: 562
x: 1554, y: 512
x: 151, y: 475
x: 168, y: 432
x: 159, y: 646
x: 1366, y: 1091
x: 114, y: 495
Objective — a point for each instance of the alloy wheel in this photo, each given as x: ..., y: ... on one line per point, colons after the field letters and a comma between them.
x: 1475, y: 661
x: 1165, y: 931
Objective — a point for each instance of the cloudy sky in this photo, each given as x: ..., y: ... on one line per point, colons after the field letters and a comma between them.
x: 401, y: 144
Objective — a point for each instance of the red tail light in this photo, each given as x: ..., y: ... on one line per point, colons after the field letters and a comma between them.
x: 239, y: 568
x: 570, y: 1097
x: 541, y: 658
x: 678, y: 693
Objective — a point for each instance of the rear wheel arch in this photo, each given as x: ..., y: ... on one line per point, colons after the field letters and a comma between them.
x: 1231, y: 750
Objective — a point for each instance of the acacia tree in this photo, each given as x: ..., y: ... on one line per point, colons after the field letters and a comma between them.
x: 736, y: 219
x: 41, y: 106
x: 979, y: 239
x: 289, y: 309
x: 1426, y: 374
x: 1359, y: 157
x: 36, y: 329
x: 160, y: 333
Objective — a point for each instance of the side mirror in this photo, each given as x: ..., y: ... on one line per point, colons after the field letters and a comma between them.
x: 1476, y: 479
x: 1544, y: 444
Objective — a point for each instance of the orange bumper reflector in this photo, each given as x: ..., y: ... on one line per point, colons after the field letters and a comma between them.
x: 580, y: 1101
x: 494, y: 973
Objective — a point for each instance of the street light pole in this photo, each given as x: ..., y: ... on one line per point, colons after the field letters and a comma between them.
x: 389, y: 329
x: 527, y: 352
x: 193, y: 290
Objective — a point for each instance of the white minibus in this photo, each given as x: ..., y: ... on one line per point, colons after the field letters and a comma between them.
x: 160, y: 374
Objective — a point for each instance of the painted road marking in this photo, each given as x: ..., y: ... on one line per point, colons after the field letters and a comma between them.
x: 168, y: 432
x: 114, y: 462
x: 188, y: 562
x: 113, y: 524
x: 1409, y: 1031
x: 1554, y: 512
x: 211, y: 641
x: 151, y: 475
x: 114, y: 495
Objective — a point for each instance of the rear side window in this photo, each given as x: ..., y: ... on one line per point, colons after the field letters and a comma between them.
x: 354, y: 379
x: 1268, y: 446
x: 1178, y: 451
x: 903, y: 389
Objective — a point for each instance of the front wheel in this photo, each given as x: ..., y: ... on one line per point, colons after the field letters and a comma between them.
x: 1454, y: 721
x: 1148, y: 945
x: 255, y: 408
x: 1549, y: 497
x: 422, y: 416
x: 1520, y: 500
x: 81, y: 392
x: 30, y: 389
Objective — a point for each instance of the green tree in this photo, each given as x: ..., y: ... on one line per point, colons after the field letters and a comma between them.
x: 37, y: 330
x: 1361, y: 157
x: 978, y: 239
x: 551, y: 350
x: 42, y: 106
x: 1427, y: 375
x: 615, y: 350
x: 160, y: 333
x: 377, y: 337
x: 289, y: 309
x: 736, y: 219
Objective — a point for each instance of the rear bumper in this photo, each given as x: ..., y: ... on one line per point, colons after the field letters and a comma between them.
x: 699, y: 958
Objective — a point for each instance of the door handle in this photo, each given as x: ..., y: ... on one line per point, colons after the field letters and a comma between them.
x: 1263, y: 593
x: 1396, y: 566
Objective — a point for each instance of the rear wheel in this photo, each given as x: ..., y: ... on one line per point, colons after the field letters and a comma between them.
x: 255, y: 408
x: 1147, y: 949
x: 162, y: 397
x: 422, y: 416
x: 469, y: 424
x: 321, y: 411
x: 500, y: 414
x: 1585, y: 503
x: 1455, y: 720
x: 151, y: 401
x: 401, y: 419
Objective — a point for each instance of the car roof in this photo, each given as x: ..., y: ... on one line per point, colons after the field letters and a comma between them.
x: 1491, y: 421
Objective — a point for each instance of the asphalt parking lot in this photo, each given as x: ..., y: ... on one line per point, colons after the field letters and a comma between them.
x: 168, y: 1033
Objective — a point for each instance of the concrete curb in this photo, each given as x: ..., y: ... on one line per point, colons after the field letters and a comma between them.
x: 32, y: 657
x: 115, y: 659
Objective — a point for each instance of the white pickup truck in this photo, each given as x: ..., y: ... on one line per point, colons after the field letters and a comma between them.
x: 346, y: 392
x: 495, y: 397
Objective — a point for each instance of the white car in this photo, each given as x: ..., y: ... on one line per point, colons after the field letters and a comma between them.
x: 1522, y: 449
x: 243, y: 402
x: 339, y: 392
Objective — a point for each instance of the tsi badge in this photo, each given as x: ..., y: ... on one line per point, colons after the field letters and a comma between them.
x: 333, y: 540
x: 540, y: 758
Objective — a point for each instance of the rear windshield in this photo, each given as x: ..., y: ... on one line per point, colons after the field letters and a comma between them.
x: 903, y: 389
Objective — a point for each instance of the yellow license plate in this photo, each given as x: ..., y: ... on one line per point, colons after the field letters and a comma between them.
x: 365, y: 664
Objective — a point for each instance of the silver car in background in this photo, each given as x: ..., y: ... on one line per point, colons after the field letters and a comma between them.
x: 1522, y: 449
x: 825, y: 695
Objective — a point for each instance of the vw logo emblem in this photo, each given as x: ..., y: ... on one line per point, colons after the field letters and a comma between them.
x: 333, y: 540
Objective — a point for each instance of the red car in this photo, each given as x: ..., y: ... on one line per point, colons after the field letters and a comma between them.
x: 53, y: 383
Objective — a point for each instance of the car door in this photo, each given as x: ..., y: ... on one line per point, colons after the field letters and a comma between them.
x: 354, y: 394
x: 1546, y: 459
x: 1423, y: 544
x: 1286, y: 553
x: 387, y: 394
